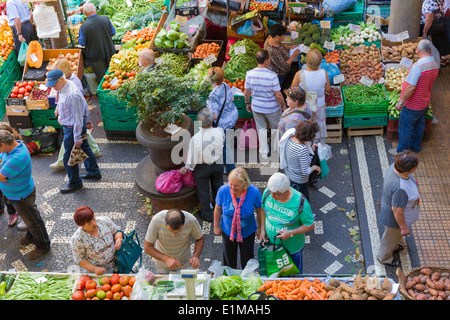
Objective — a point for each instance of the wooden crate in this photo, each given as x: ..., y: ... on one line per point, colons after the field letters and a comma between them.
x: 49, y: 54
x: 334, y: 130
x: 16, y: 111
x: 37, y: 104
x: 365, y: 131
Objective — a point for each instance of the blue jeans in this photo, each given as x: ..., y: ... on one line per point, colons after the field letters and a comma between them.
x: 228, y: 161
x: 302, y: 188
x: 297, y: 258
x: 90, y: 163
x: 411, y: 127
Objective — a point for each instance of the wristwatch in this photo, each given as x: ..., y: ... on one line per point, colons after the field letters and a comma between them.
x: 292, y: 234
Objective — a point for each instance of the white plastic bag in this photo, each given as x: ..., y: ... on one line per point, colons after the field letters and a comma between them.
x: 46, y: 20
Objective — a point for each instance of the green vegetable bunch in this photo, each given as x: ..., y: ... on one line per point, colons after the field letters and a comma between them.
x: 251, y: 47
x: 310, y: 33
x: 234, y: 287
x: 362, y: 94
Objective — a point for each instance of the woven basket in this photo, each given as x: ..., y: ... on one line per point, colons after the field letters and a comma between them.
x: 402, y: 278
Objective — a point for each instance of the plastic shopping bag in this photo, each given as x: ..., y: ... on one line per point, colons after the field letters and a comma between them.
x: 188, y: 179
x: 324, y: 152
x: 22, y: 57
x: 169, y: 182
x: 248, y: 137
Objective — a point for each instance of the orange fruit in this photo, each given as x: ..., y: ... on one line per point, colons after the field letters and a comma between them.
x: 116, y: 288
x: 123, y: 280
x: 127, y: 290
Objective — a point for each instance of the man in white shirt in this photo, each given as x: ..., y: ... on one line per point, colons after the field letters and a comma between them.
x: 205, y: 159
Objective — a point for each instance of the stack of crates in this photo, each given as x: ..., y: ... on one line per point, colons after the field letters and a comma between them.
x: 355, y: 13
x: 119, y: 120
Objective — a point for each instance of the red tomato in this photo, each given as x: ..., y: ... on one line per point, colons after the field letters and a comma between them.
x: 20, y: 96
x: 91, y: 284
x: 106, y: 287
x: 127, y: 290
x: 78, y: 295
x: 90, y: 293
x: 28, y: 88
x: 106, y: 280
x: 26, y: 94
x: 114, y: 279
x: 85, y: 278
x: 22, y: 90
x: 15, y: 89
x: 31, y: 83
x: 116, y: 288
x: 80, y: 284
x: 117, y: 296
x: 13, y: 95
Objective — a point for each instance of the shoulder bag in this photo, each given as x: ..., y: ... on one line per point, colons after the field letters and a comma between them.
x: 311, y: 96
x: 130, y: 251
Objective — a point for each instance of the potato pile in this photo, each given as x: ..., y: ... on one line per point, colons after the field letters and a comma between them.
x: 361, y: 61
x: 429, y: 285
x: 367, y: 288
x: 396, y: 53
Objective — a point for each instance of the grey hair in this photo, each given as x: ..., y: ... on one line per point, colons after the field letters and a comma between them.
x: 205, y: 117
x: 89, y: 8
x: 148, y: 54
x: 424, y: 46
x: 278, y: 182
x: 6, y: 137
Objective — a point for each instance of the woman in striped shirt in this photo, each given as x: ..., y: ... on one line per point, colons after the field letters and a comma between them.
x: 298, y: 152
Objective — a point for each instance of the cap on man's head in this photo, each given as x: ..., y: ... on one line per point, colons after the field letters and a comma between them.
x: 53, y: 76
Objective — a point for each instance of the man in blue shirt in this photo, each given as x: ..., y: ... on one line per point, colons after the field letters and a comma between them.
x: 19, y: 19
x: 96, y: 35
x: 18, y: 186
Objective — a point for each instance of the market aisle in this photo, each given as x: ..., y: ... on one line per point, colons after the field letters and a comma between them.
x: 432, y: 231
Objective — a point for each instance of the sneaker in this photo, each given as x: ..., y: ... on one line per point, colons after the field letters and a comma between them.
x: 98, y: 154
x: 393, y: 152
x: 22, y: 226
x: 56, y: 166
x: 37, y: 253
x: 12, y: 219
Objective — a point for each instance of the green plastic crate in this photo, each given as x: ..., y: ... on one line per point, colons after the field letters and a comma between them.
x: 365, y: 121
x: 117, y: 111
x: 42, y: 118
x: 355, y: 13
x: 239, y: 102
x: 122, y: 124
x: 352, y: 109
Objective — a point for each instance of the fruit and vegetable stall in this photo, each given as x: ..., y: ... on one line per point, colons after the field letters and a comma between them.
x: 424, y: 283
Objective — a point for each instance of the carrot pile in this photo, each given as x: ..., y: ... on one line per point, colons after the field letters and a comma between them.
x: 296, y: 289
x: 238, y: 83
x: 332, y: 56
x: 145, y: 33
x: 205, y: 50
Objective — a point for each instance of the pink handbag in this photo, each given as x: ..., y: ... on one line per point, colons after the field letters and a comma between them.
x: 248, y: 137
x: 169, y: 182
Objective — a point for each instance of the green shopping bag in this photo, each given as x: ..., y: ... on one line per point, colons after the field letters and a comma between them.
x: 22, y: 56
x: 274, y: 261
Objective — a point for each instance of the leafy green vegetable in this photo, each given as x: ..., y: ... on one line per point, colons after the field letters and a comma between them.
x: 250, y: 286
x: 226, y: 287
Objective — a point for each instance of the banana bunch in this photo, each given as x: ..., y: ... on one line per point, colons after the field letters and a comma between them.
x: 124, y: 61
x: 394, y: 96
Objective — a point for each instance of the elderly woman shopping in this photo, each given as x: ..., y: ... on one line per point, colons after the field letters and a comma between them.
x: 234, y: 218
x: 288, y: 216
x: 315, y: 79
x: 95, y: 241
x: 225, y: 113
x: 399, y: 205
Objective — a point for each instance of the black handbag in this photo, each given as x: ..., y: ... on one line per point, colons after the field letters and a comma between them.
x: 130, y: 251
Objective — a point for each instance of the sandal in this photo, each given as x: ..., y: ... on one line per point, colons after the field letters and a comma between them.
x: 12, y: 220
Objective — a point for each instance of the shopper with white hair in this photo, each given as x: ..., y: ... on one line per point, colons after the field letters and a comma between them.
x: 415, y: 99
x: 288, y: 216
x: 96, y: 36
x: 147, y: 60
x: 205, y: 159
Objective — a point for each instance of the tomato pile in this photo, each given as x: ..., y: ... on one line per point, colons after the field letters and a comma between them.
x: 121, y: 77
x: 116, y: 287
x: 239, y: 83
x: 256, y: 5
x: 21, y: 89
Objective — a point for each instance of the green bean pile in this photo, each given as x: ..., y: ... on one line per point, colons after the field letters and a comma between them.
x: 362, y: 94
x: 27, y: 288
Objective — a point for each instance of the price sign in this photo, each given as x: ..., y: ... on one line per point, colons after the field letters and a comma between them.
x: 114, y: 81
x: 42, y: 87
x: 33, y: 57
x: 354, y: 27
x: 294, y: 35
x: 403, y: 36
x: 239, y: 50
x: 406, y: 62
x: 325, y: 24
x: 209, y: 60
x: 304, y: 48
x: 329, y: 45
x: 366, y: 81
x: 338, y: 79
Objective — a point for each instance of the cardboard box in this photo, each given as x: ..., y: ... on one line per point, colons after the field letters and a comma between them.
x: 236, y: 21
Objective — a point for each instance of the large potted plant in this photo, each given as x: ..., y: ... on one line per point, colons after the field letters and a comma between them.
x: 162, y: 97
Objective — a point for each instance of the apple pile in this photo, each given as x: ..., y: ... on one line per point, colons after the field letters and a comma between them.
x: 115, y: 287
